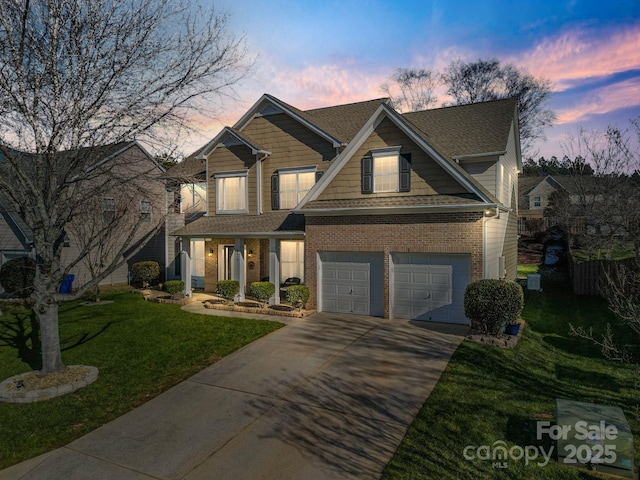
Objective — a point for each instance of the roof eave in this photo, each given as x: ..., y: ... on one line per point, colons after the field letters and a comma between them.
x: 472, y: 207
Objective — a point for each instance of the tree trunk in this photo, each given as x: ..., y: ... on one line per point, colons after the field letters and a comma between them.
x: 47, y: 311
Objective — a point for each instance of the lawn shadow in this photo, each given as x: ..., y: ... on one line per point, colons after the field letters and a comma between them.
x: 74, y: 341
x: 587, y: 378
x: 22, y: 333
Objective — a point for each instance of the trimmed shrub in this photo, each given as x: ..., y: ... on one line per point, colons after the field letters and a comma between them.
x: 174, y: 286
x: 17, y: 275
x: 298, y: 295
x: 262, y: 291
x: 145, y: 273
x: 228, y: 288
x: 492, y: 304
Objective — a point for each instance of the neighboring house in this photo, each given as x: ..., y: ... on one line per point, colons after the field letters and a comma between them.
x: 534, y: 193
x: 378, y: 213
x: 15, y: 240
x: 130, y: 158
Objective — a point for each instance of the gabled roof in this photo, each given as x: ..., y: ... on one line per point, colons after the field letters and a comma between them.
x: 237, y: 135
x: 430, y: 141
x: 527, y: 184
x: 337, y: 124
x: 467, y: 130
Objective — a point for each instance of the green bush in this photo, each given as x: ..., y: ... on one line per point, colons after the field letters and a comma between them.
x: 174, y: 286
x: 145, y: 273
x: 228, y: 288
x: 262, y: 291
x: 17, y: 275
x: 298, y: 295
x: 492, y: 304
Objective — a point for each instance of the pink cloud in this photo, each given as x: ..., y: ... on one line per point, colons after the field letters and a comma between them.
x: 606, y: 99
x: 582, y: 54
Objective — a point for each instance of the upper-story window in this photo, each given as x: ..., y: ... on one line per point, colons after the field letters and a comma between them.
x: 387, y: 170
x: 108, y: 209
x: 231, y: 192
x: 146, y: 210
x: 537, y: 201
x: 193, y: 197
x: 294, y: 185
x: 289, y: 186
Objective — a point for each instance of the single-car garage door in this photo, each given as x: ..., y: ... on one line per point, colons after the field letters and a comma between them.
x: 352, y: 283
x: 430, y: 286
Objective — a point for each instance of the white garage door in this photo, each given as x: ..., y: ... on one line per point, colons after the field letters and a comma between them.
x: 430, y: 287
x: 350, y: 283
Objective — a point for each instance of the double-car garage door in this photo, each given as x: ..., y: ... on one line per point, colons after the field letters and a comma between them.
x: 421, y: 286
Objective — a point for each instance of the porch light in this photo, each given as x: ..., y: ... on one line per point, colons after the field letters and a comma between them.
x: 211, y: 252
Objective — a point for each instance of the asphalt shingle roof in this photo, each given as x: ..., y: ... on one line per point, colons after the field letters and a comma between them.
x: 227, y: 225
x: 395, y: 201
x: 466, y: 129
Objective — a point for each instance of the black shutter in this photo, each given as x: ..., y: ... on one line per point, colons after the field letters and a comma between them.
x: 318, y: 175
x: 405, y: 172
x: 275, y: 192
x: 367, y: 175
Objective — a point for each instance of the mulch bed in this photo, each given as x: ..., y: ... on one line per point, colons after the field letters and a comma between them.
x: 503, y: 341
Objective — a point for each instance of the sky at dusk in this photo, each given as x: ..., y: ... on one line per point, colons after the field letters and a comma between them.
x: 317, y: 54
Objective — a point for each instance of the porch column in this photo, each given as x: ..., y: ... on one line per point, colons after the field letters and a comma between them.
x: 185, y: 272
x: 240, y: 266
x: 274, y: 270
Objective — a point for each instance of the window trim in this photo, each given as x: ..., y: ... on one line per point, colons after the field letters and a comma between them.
x: 148, y: 218
x: 105, y: 210
x: 293, y: 171
x: 386, y: 152
x: 537, y: 203
x: 233, y: 174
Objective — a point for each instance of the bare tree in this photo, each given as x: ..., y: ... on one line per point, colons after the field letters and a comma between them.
x: 76, y: 75
x: 609, y: 203
x: 483, y: 80
x: 416, y: 89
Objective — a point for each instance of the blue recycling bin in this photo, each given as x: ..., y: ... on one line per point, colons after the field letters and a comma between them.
x: 67, y: 283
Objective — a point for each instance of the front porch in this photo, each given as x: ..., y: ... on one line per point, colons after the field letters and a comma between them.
x: 238, y: 248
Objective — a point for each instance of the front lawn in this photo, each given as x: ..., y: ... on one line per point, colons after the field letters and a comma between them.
x: 488, y: 394
x: 141, y: 349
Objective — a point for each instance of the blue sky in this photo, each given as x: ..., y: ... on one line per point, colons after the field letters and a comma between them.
x: 316, y: 54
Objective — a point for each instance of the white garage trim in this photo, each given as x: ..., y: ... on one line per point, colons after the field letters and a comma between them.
x: 424, y: 286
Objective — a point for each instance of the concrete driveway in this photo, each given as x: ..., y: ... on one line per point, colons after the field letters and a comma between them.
x: 327, y: 397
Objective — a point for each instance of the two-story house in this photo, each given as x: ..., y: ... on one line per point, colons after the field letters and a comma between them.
x: 378, y: 213
x: 138, y: 189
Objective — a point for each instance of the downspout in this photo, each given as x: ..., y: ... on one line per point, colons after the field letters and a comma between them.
x: 259, y: 160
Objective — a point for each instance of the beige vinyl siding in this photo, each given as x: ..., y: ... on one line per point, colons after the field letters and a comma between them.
x: 510, y: 246
x: 495, y: 230
x: 229, y: 159
x: 290, y: 144
x: 483, y: 171
x: 427, y: 177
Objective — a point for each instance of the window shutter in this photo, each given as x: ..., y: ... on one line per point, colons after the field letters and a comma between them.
x: 318, y: 176
x: 405, y: 172
x: 367, y: 175
x: 275, y: 192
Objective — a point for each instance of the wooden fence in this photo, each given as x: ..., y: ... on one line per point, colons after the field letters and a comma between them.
x: 590, y: 277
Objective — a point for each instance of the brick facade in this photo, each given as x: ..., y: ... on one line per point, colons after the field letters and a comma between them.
x: 419, y: 233
x: 252, y: 274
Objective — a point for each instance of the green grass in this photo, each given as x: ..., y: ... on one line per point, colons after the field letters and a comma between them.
x: 489, y: 394
x: 524, y: 270
x: 616, y: 252
x: 141, y: 349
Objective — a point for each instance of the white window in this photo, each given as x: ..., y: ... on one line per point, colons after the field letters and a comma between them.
x: 291, y: 259
x: 193, y: 197
x: 386, y: 172
x: 145, y: 211
x: 108, y: 209
x: 231, y: 193
x: 537, y: 201
x: 294, y: 186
